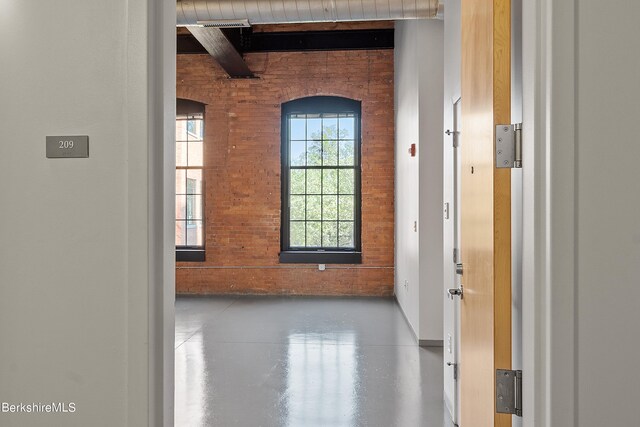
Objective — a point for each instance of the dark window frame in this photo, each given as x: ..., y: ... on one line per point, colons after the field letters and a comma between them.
x: 186, y: 110
x: 313, y: 255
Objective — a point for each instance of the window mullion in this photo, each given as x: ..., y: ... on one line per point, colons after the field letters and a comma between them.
x: 322, y: 245
x: 306, y: 176
x: 186, y: 191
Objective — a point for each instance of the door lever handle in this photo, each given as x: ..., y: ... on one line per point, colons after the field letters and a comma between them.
x: 456, y: 292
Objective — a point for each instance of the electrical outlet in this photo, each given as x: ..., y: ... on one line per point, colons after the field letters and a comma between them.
x: 322, y: 267
x: 415, y: 226
x: 406, y: 285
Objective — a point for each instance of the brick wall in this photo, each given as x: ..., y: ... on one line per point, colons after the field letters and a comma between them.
x: 242, y: 171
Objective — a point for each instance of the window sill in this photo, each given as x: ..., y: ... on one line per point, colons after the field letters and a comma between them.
x: 320, y: 257
x: 190, y: 255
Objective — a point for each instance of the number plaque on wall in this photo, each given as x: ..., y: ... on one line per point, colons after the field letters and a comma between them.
x: 67, y: 147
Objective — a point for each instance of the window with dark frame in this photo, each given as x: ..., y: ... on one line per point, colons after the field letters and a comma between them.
x: 189, y: 231
x: 321, y: 200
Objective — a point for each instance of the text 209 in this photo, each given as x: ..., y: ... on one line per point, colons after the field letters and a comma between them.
x: 65, y: 145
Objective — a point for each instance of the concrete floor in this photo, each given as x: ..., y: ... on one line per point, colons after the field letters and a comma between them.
x: 302, y: 362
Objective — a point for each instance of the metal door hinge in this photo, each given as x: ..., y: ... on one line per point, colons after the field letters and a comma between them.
x: 455, y: 370
x: 509, y: 146
x: 509, y: 392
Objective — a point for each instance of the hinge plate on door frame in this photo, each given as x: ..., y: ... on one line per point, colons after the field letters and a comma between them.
x: 455, y: 370
x: 509, y: 146
x: 509, y: 392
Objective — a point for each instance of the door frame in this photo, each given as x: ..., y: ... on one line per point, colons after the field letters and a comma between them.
x: 549, y: 279
x: 548, y: 196
x: 161, y: 105
x: 452, y: 279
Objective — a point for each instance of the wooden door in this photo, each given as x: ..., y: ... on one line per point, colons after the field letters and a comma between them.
x: 485, y: 210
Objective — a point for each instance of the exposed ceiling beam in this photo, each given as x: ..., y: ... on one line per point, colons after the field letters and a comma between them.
x: 319, y: 40
x: 247, y: 41
x: 222, y: 50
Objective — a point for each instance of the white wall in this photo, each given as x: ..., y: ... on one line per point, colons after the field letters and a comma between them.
x: 418, y: 94
x: 582, y: 240
x: 607, y: 213
x: 74, y: 262
x: 407, y: 174
x: 430, y: 56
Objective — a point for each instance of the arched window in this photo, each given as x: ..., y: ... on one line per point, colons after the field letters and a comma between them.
x: 321, y: 197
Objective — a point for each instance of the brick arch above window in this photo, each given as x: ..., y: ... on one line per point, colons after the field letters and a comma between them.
x: 293, y: 94
x: 185, y: 107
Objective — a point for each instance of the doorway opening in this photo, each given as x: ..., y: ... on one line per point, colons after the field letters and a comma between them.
x: 286, y: 299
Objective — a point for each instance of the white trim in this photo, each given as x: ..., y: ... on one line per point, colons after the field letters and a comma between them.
x: 549, y: 286
x: 161, y: 106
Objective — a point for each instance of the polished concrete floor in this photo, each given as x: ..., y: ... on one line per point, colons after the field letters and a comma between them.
x: 302, y: 362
